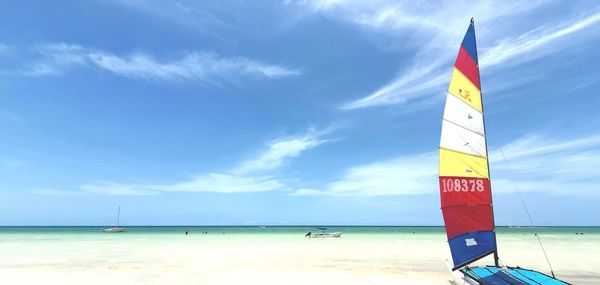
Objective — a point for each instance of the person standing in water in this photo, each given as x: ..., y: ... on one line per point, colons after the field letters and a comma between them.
x: 186, y: 232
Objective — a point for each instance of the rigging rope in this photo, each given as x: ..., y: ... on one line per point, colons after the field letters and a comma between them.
x: 526, y: 210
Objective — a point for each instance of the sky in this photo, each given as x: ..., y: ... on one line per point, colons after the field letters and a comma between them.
x: 324, y: 112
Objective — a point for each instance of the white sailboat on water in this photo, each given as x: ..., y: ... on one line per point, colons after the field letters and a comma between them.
x: 116, y: 229
x: 465, y: 189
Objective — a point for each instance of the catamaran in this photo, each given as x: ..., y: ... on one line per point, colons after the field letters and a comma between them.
x: 116, y: 229
x: 464, y: 180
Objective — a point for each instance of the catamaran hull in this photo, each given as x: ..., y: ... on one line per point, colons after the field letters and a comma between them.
x: 501, y: 275
x: 459, y: 276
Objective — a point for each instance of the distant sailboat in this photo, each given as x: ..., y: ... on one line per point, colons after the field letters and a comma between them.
x: 464, y: 180
x: 116, y: 229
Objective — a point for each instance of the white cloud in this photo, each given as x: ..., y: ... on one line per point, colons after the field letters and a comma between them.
x: 526, y: 43
x: 433, y: 31
x: 110, y: 188
x: 193, y: 66
x: 11, y: 116
x: 195, y: 14
x: 568, y: 166
x: 58, y: 58
x: 401, y: 90
x: 278, y: 151
x: 53, y: 192
x: 404, y: 175
x: 224, y: 183
x: 253, y: 175
x: 308, y: 192
x: 13, y: 163
x: 536, y: 163
x: 210, y: 182
x: 6, y: 49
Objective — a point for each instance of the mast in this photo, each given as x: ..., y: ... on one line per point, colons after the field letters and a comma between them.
x: 496, y: 258
x: 118, y: 215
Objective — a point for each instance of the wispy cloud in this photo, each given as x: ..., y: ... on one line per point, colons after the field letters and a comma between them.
x: 13, y: 163
x: 279, y: 151
x: 200, y: 15
x: 193, y: 66
x: 11, y: 116
x: 225, y: 183
x: 433, y: 31
x: 308, y: 192
x: 54, y: 192
x: 111, y: 188
x: 59, y: 58
x: 53, y: 59
x: 6, y: 49
x: 536, y: 162
x: 401, y: 90
x: 209, y: 182
x: 404, y: 175
x: 253, y: 175
x: 511, y: 48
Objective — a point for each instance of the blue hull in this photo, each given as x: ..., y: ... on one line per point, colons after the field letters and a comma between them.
x: 493, y: 275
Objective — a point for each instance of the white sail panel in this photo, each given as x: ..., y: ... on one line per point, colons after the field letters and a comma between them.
x: 457, y: 138
x: 460, y: 113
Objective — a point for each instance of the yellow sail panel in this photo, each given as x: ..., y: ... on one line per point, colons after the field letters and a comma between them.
x: 457, y: 164
x: 463, y: 89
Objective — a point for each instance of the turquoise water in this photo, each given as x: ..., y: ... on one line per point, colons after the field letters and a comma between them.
x: 274, y: 230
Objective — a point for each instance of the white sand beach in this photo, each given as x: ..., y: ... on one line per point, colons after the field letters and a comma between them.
x: 270, y: 259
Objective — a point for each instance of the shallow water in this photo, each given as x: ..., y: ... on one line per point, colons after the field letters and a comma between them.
x: 274, y: 255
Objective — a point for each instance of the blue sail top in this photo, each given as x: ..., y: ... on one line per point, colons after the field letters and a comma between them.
x: 469, y: 42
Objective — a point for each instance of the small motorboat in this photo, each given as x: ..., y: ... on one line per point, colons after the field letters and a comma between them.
x: 323, y: 234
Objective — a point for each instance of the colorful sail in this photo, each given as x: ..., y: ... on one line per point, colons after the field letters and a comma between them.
x: 464, y: 174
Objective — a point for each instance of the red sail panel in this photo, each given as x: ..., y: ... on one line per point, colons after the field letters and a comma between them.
x: 464, y: 191
x: 468, y: 67
x: 467, y: 219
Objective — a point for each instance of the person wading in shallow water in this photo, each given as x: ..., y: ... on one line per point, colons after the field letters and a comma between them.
x: 308, y: 234
x: 186, y: 232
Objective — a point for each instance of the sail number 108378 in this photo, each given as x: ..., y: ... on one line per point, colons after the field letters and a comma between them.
x: 461, y: 185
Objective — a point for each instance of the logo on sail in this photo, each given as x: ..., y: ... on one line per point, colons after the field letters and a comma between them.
x: 465, y: 94
x: 470, y: 241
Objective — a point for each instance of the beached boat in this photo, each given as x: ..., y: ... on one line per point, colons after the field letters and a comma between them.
x: 116, y: 229
x: 464, y: 180
x: 323, y: 234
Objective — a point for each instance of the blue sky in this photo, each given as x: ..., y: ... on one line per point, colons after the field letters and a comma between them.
x: 288, y: 112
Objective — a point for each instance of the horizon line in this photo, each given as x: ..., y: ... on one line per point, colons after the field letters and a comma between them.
x: 293, y: 225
